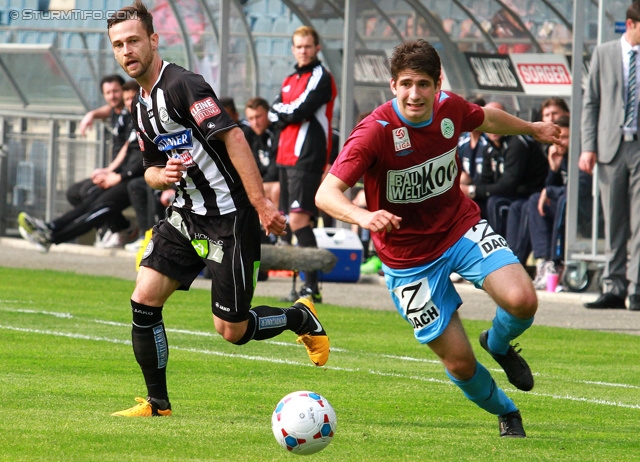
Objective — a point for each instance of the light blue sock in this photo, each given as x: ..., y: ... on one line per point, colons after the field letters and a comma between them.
x: 482, y: 390
x: 506, y: 327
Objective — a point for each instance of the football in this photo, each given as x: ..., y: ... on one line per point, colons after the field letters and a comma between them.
x: 303, y: 422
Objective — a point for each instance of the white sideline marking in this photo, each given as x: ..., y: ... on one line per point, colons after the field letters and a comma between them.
x: 609, y: 384
x: 122, y: 324
x: 412, y: 377
x: 65, y: 334
x: 585, y: 400
x: 409, y: 358
x: 279, y: 343
x: 128, y: 342
x: 294, y: 363
x: 49, y: 313
x: 213, y: 335
x: 248, y: 357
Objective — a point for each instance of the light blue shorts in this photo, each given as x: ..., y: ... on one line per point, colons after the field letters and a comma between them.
x: 425, y: 295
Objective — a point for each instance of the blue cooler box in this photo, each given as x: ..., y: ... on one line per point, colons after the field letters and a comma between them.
x: 344, y: 244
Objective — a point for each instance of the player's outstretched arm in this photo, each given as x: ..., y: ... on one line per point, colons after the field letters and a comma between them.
x: 503, y: 123
x: 330, y: 198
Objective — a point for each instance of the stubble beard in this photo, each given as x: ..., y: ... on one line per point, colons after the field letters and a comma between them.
x: 143, y: 67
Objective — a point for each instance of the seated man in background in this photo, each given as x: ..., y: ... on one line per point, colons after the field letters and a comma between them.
x: 513, y: 168
x: 149, y: 205
x: 119, y: 129
x: 546, y: 210
x: 471, y: 145
x: 107, y: 203
x: 229, y: 105
x: 263, y: 140
x: 518, y: 233
x: 114, y: 110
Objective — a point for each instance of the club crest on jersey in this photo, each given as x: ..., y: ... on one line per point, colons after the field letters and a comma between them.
x: 401, y: 139
x: 164, y: 115
x: 204, y: 109
x: 446, y: 126
x: 177, y: 140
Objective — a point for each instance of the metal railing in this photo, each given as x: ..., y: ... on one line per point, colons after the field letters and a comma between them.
x: 42, y: 155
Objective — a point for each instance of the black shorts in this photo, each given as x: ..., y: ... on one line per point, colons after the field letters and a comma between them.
x: 229, y: 245
x: 298, y: 191
x: 272, y: 173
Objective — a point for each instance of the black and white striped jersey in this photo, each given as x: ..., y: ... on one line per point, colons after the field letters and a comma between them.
x: 180, y: 118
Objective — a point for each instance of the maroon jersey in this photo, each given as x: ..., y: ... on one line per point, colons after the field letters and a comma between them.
x: 412, y: 170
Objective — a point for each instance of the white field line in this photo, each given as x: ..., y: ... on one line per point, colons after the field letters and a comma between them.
x: 122, y: 324
x: 65, y: 334
x: 295, y: 363
x: 216, y: 336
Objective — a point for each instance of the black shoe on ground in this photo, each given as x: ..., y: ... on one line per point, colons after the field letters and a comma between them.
x: 511, y: 425
x: 634, y: 302
x: 306, y: 291
x: 607, y: 301
x: 514, y: 365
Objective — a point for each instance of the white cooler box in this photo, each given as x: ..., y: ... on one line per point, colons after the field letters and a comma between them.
x: 344, y: 244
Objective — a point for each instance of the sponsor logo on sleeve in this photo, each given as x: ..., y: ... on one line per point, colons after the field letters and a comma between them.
x: 204, y: 109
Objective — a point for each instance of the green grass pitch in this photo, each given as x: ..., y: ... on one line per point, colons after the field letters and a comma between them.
x: 66, y: 364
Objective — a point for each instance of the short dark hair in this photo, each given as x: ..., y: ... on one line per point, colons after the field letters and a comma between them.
x: 633, y: 12
x: 131, y: 85
x: 555, y: 101
x: 110, y: 79
x: 228, y: 104
x: 256, y: 102
x: 362, y: 116
x: 416, y: 55
x: 562, y: 121
x: 135, y: 11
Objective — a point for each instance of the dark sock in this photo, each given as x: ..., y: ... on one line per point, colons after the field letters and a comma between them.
x: 267, y: 322
x: 150, y: 348
x: 365, y: 237
x: 288, y: 236
x: 306, y: 238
